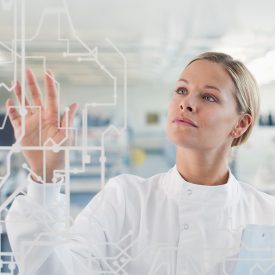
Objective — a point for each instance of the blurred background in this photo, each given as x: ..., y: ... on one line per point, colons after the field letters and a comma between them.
x: 120, y: 60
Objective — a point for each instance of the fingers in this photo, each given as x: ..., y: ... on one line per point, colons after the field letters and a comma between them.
x: 69, y: 117
x: 14, y: 116
x: 18, y: 93
x: 34, y: 88
x: 51, y: 93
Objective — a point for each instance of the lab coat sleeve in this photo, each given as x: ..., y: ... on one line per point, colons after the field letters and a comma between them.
x: 43, y: 244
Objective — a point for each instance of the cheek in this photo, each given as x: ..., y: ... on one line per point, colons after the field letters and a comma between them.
x: 171, y: 114
x: 168, y: 120
x: 218, y: 122
x: 171, y: 109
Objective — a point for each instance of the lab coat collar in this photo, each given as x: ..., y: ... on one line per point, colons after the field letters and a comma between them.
x: 181, y: 190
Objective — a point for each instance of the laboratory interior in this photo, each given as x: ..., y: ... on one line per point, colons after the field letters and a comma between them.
x: 119, y: 61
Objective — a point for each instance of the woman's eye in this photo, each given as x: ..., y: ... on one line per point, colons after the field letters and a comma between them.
x: 181, y: 91
x: 210, y: 98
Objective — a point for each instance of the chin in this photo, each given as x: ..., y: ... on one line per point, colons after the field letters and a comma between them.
x: 186, y: 142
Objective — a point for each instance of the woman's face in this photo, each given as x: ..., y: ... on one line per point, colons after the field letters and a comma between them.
x: 204, y: 94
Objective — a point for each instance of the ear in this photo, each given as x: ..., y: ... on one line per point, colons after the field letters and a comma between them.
x: 244, y: 122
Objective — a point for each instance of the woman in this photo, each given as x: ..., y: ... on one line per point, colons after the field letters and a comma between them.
x: 186, y: 221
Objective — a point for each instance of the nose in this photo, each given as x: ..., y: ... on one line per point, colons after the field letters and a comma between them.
x: 188, y: 104
x: 188, y: 108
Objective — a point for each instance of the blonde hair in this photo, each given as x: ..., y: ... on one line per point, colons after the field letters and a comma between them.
x: 247, y: 91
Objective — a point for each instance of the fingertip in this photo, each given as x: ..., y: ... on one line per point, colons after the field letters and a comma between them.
x: 73, y: 106
x: 76, y: 107
x: 29, y: 75
x: 9, y: 102
x: 28, y: 71
x: 17, y: 88
x: 49, y: 74
x: 14, y: 84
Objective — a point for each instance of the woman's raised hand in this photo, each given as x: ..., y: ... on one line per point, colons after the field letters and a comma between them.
x: 41, y: 125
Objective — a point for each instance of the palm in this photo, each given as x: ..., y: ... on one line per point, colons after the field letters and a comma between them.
x: 41, y: 129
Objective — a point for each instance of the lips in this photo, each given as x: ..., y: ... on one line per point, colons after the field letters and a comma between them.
x: 184, y: 121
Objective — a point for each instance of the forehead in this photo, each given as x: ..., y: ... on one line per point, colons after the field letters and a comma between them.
x: 204, y: 72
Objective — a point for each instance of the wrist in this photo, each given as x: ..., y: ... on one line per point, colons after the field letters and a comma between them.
x: 49, y: 178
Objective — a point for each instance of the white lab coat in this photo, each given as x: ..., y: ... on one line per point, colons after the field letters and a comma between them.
x: 159, y: 225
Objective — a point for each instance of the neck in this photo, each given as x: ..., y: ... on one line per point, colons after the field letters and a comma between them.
x: 204, y: 168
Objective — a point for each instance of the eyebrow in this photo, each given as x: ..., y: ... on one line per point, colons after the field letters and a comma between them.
x: 206, y: 86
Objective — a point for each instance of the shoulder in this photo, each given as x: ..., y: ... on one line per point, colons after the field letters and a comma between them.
x: 252, y: 195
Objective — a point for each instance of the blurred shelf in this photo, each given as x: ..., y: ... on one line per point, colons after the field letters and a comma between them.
x: 84, y: 185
